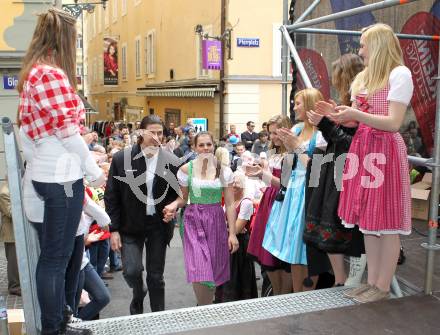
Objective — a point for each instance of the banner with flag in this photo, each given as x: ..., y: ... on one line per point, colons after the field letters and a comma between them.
x: 316, y: 70
x: 422, y: 59
x: 350, y: 44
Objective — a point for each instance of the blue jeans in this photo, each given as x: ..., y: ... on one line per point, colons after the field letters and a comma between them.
x: 57, y: 237
x: 99, y: 294
x: 98, y: 252
x: 115, y: 259
x: 73, y: 271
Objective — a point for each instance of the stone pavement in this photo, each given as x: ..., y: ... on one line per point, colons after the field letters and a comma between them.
x: 12, y: 301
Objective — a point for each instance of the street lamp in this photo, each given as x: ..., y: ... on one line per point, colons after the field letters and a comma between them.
x: 75, y: 9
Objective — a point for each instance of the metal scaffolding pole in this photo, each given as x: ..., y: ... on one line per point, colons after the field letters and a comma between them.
x: 432, y: 245
x: 285, y: 51
x: 349, y: 12
x: 296, y: 58
x: 359, y: 33
x: 26, y: 241
x: 284, y: 61
x: 308, y: 11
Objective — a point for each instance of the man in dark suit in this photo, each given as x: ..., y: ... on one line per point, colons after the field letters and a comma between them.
x: 249, y: 136
x: 141, y: 182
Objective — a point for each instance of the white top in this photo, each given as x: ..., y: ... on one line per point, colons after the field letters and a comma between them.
x: 32, y: 203
x: 63, y: 160
x: 92, y: 211
x: 246, y: 210
x: 150, y: 172
x: 321, y: 143
x: 401, y: 85
x: 226, y: 174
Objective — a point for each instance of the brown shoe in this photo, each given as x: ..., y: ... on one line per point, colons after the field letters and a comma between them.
x: 371, y: 295
x: 354, y: 292
x: 15, y: 291
x: 106, y: 275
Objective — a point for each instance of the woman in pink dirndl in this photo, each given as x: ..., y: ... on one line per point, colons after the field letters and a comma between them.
x: 376, y: 189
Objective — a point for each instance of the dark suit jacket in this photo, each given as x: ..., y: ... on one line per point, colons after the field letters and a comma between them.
x: 126, y: 204
x: 247, y: 137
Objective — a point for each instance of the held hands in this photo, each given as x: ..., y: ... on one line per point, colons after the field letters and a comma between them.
x: 290, y: 141
x: 169, y: 212
x: 232, y: 243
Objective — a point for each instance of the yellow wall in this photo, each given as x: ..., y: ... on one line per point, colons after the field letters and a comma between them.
x: 10, y: 10
x: 253, y: 19
x: 173, y: 22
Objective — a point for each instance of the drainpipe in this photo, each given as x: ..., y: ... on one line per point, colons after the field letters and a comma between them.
x: 222, y: 71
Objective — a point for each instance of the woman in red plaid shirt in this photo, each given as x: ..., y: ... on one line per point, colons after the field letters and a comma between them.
x: 49, y: 115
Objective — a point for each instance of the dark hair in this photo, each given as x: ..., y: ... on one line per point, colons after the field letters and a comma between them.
x: 146, y: 121
x: 249, y: 123
x: 262, y: 134
x: 150, y: 119
x: 239, y: 144
x: 115, y: 47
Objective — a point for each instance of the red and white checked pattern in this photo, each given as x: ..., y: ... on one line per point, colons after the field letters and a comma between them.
x: 49, y: 105
x: 387, y: 208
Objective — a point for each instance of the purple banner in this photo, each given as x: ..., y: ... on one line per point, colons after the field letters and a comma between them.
x: 349, y: 44
x: 212, y: 55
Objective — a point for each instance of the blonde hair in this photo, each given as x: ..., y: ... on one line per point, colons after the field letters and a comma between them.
x: 344, y: 70
x: 384, y: 54
x: 222, y: 156
x: 53, y: 43
x: 281, y: 122
x: 310, y: 97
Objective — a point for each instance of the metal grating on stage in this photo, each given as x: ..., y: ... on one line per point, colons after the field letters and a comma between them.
x: 220, y: 314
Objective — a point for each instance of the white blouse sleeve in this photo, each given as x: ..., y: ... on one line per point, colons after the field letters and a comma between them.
x: 182, y: 177
x: 228, y: 176
x: 246, y: 210
x: 401, y: 85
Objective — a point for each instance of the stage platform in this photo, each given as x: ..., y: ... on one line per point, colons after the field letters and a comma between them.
x: 315, y: 312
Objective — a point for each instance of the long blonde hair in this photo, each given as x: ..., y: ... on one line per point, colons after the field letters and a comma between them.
x: 344, y: 70
x: 310, y: 97
x: 281, y: 122
x: 53, y: 43
x: 384, y: 54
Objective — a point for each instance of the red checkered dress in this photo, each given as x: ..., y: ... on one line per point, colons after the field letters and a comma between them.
x: 384, y: 206
x: 49, y: 105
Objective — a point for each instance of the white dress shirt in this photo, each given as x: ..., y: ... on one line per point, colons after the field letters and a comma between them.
x: 151, y: 172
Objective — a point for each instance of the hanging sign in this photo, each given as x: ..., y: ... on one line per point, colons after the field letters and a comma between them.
x: 212, y: 55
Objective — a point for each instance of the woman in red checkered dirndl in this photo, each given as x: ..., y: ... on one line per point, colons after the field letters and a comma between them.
x: 375, y: 191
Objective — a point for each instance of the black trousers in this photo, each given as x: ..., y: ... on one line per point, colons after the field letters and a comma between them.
x: 155, y: 241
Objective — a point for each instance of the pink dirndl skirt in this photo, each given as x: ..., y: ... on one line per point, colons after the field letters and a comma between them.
x: 377, y: 198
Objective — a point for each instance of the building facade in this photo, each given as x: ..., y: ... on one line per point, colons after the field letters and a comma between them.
x: 159, y: 48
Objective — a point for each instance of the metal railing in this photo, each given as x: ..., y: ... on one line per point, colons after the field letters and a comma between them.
x: 25, y: 235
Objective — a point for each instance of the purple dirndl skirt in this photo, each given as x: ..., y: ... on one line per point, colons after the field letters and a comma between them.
x: 205, y: 244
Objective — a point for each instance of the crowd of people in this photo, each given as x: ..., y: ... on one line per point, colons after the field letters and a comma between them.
x: 295, y: 197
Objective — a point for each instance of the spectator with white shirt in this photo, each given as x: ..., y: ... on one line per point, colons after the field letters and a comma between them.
x: 139, y: 186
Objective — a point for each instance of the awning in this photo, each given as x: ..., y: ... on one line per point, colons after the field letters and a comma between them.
x: 201, y: 92
x: 88, y: 107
